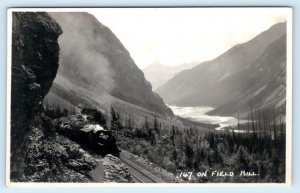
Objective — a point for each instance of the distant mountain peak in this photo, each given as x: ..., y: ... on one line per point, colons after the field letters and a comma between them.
x: 158, y: 73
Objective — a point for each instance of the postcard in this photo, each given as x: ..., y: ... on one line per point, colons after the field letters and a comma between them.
x: 167, y: 97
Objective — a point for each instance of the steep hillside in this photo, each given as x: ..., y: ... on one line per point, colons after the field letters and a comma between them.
x: 158, y: 74
x: 245, y: 68
x: 94, y: 62
x: 264, y: 86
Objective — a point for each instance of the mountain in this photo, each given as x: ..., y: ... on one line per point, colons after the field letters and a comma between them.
x: 97, y: 70
x: 158, y: 74
x: 250, y: 73
x: 265, y: 86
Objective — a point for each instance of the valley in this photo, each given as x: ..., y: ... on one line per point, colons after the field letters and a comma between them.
x: 217, y: 108
x: 84, y: 108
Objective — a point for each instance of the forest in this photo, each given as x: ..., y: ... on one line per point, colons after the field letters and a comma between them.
x: 258, y: 148
x: 255, y: 149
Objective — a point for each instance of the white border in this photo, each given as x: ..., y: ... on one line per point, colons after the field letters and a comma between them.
x: 288, y: 182
x: 289, y: 96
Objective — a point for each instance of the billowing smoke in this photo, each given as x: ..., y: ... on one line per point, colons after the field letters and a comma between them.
x: 83, y: 48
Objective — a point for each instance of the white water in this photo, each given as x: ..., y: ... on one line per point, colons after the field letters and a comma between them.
x: 199, y: 114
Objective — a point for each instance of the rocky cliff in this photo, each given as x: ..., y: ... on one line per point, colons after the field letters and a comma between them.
x: 35, y: 55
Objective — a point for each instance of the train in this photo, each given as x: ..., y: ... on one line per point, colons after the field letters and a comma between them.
x: 90, y: 135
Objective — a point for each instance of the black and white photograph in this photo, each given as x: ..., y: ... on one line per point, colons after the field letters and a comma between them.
x: 157, y: 95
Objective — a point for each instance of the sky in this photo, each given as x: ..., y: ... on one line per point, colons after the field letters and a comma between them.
x: 173, y: 36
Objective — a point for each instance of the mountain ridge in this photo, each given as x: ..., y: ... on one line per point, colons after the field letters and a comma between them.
x: 214, y: 83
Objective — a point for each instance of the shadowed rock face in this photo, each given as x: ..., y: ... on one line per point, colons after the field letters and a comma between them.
x: 35, y: 55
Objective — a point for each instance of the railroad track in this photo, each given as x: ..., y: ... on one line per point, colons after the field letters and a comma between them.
x: 140, y: 174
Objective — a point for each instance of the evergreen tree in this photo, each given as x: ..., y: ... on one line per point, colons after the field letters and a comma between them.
x: 115, y: 124
x: 189, y: 153
x: 242, y: 156
x: 173, y: 135
x: 150, y: 135
x: 156, y: 126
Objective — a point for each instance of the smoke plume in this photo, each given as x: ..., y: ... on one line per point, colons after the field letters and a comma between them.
x: 82, y: 51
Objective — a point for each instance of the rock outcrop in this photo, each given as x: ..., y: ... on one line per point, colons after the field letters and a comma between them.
x: 35, y: 56
x: 115, y: 170
x: 55, y: 159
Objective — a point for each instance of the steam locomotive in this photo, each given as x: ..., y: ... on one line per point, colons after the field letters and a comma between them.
x: 90, y: 135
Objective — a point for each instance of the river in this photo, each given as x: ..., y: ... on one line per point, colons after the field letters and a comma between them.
x: 200, y: 114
